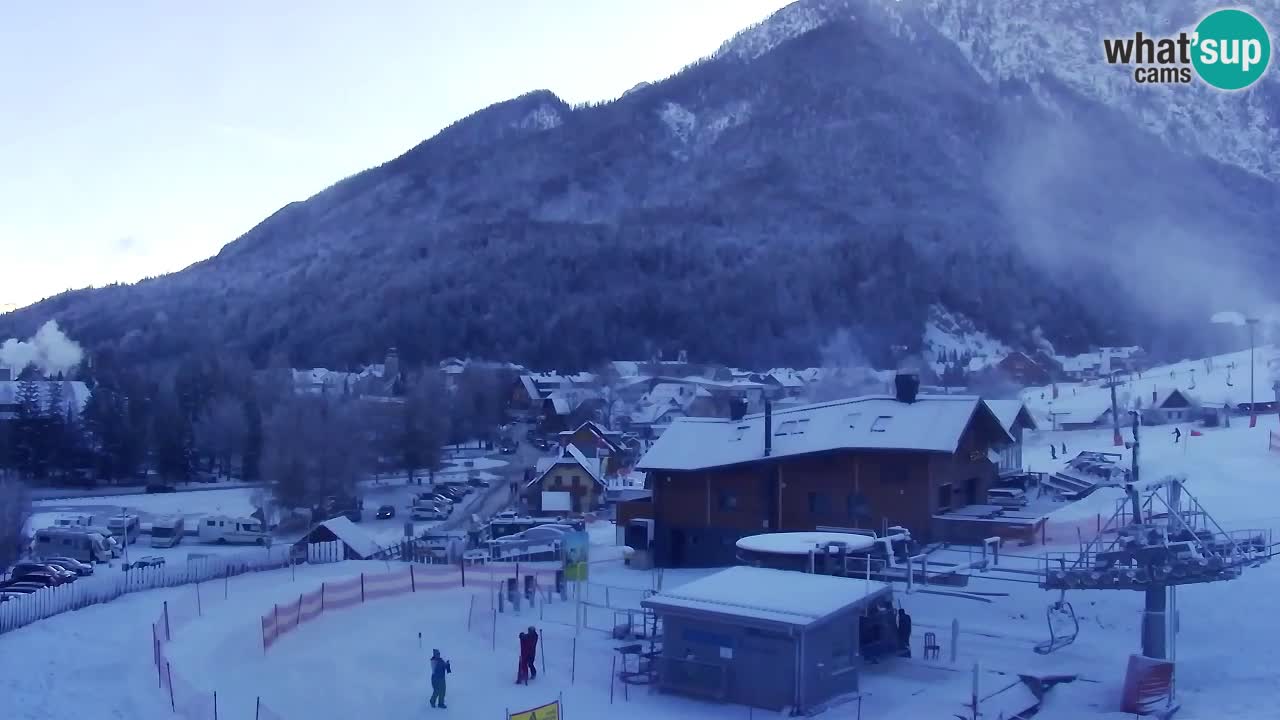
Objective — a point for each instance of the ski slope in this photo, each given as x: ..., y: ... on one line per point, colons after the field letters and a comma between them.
x: 367, y: 661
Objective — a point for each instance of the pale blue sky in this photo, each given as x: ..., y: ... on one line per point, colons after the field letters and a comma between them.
x: 141, y: 136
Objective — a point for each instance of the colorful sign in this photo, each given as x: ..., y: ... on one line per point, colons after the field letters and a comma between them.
x: 550, y: 711
x: 576, y: 546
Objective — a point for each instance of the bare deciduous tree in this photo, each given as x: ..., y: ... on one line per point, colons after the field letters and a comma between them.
x: 15, y: 508
x: 314, y: 447
x: 222, y: 432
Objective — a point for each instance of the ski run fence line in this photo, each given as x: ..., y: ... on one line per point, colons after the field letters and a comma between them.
x: 107, y: 586
x: 189, y: 702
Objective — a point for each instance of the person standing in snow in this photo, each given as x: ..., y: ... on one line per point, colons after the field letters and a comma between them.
x: 1053, y: 452
x: 528, y: 652
x: 439, y: 668
x: 1064, y: 449
x: 1177, y: 435
x: 904, y: 632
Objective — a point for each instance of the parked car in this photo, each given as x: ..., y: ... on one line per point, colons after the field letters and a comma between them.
x: 23, y: 588
x: 75, y: 566
x: 509, y: 448
x: 148, y: 561
x: 153, y: 488
x: 26, y: 568
x: 386, y: 512
x: 478, y: 482
x: 43, y: 578
x: 441, y: 498
x: 429, y: 512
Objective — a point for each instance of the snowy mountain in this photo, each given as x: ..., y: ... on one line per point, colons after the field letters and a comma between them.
x: 1041, y: 42
x: 847, y: 165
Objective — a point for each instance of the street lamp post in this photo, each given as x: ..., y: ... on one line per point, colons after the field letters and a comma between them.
x: 1252, y: 322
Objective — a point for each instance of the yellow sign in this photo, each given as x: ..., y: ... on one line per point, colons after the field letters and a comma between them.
x: 550, y: 711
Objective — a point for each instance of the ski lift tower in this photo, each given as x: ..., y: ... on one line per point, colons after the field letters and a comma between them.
x: 1159, y: 537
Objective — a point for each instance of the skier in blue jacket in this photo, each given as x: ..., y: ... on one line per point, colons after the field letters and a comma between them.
x: 439, y: 666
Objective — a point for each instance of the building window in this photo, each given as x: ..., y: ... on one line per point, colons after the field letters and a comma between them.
x: 852, y: 419
x: 739, y: 431
x: 944, y: 497
x: 785, y: 428
x: 856, y: 506
x: 881, y: 423
x: 727, y: 500
x: 801, y: 426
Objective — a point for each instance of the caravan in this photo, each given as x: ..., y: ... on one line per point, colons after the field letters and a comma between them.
x: 223, y: 529
x: 125, y: 528
x: 74, y: 520
x: 167, y: 531
x: 77, y: 544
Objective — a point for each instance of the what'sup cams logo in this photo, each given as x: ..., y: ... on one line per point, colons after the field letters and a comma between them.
x: 1229, y: 50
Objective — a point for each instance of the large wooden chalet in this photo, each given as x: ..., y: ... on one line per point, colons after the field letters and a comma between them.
x: 867, y: 462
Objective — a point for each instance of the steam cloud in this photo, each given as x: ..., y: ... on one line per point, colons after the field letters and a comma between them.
x: 49, y: 350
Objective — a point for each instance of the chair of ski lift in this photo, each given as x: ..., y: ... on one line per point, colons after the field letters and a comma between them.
x: 931, y: 648
x: 1063, y: 627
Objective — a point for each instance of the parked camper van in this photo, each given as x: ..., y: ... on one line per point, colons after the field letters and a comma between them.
x: 223, y: 529
x: 125, y: 527
x: 77, y: 544
x: 72, y: 520
x: 167, y: 531
x: 115, y: 546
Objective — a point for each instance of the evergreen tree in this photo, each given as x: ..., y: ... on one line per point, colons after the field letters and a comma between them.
x: 30, y: 431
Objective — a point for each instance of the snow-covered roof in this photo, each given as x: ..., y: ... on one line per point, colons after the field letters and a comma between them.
x: 648, y: 414
x: 1080, y: 363
x: 360, y: 542
x: 570, y: 455
x: 776, y: 596
x: 786, y: 377
x: 934, y: 423
x: 1166, y: 395
x: 1007, y: 411
x: 626, y: 368
x: 530, y: 387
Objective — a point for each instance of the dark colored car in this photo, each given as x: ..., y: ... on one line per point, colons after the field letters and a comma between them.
x: 153, y: 488
x: 478, y: 482
x: 43, y: 578
x: 27, y: 568
x: 17, y: 588
x: 386, y: 512
x: 145, y: 562
x: 509, y: 448
x: 71, y: 565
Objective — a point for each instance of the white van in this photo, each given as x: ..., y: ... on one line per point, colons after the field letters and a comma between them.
x: 1007, y: 497
x: 167, y: 531
x: 73, y: 520
x: 223, y: 529
x: 125, y: 528
x: 75, y: 543
x: 114, y: 545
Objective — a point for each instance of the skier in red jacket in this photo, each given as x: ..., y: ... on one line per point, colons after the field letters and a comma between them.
x: 528, y: 652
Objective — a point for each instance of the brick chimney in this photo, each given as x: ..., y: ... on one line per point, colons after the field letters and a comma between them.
x: 907, y: 386
x: 768, y: 428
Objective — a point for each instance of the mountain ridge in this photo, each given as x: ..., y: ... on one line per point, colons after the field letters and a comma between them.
x: 855, y: 173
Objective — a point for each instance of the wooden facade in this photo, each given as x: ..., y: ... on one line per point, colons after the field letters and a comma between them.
x: 699, y: 515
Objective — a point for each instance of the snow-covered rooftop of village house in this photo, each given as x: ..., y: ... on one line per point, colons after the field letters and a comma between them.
x: 779, y: 596
x: 800, y: 543
x: 569, y: 455
x: 1007, y: 412
x: 353, y: 537
x: 933, y: 423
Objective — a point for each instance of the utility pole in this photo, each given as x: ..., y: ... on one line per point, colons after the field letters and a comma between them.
x: 1252, y: 322
x: 1115, y: 415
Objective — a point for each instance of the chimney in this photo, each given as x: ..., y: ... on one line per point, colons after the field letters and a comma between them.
x: 907, y: 385
x: 737, y: 408
x: 768, y: 428
x: 393, y: 364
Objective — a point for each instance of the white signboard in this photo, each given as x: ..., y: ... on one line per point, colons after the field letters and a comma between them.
x: 556, y: 502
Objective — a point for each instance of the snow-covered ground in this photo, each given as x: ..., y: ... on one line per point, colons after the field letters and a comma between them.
x: 232, y: 501
x: 1212, y: 380
x: 347, y: 662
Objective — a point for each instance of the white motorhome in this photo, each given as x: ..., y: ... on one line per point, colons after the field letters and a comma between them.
x: 73, y: 520
x: 75, y: 543
x: 114, y: 545
x: 125, y: 527
x: 167, y: 531
x: 223, y: 529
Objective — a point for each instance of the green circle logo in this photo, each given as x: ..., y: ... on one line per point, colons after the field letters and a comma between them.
x: 1232, y: 49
